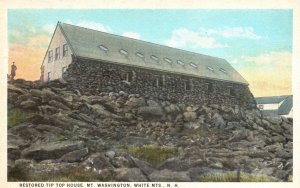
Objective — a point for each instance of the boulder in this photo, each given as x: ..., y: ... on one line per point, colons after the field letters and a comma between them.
x: 281, y: 174
x: 152, y: 103
x: 283, y: 154
x: 276, y: 128
x: 191, y: 109
x: 121, y: 162
x: 192, y: 125
x: 197, y: 172
x: 24, y: 167
x: 59, y: 105
x: 278, y: 138
x: 98, y: 110
x: 135, y: 102
x: 205, y: 110
x: 45, y: 151
x: 274, y: 147
x: 215, y: 106
x: 179, y: 164
x: 46, y: 94
x: 218, y: 120
x: 190, y: 116
x: 110, y: 154
x: 274, y: 120
x: 288, y: 127
x: 13, y: 152
x: 130, y: 174
x: 150, y: 112
x: 233, y: 125
x: 218, y: 165
x: 169, y: 176
x: 96, y: 145
x: 142, y: 165
x: 75, y: 156
x: 13, y: 88
x: 48, y: 129
x: 172, y: 109
x: 98, y: 161
x: 28, y: 104
x: 23, y: 97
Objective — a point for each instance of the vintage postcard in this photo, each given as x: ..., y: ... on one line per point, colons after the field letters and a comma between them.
x: 102, y: 95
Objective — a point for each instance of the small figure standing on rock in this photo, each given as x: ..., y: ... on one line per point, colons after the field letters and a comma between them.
x: 13, y: 71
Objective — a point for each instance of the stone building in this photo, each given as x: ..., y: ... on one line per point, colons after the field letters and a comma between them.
x: 276, y: 105
x: 98, y: 61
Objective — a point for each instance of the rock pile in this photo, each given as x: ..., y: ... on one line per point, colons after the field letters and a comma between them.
x: 66, y: 128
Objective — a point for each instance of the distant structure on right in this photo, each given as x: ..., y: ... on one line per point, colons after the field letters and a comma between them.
x: 276, y: 105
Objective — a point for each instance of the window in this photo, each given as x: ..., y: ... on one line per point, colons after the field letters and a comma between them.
x: 124, y: 52
x: 154, y: 58
x: 57, y: 53
x: 64, y: 69
x: 127, y: 76
x: 49, y: 76
x: 139, y: 54
x: 104, y: 48
x: 187, y: 85
x: 50, y: 56
x: 222, y: 70
x: 168, y: 60
x: 210, y: 87
x: 193, y: 65
x: 159, y: 81
x: 180, y: 62
x: 65, y: 50
x: 261, y: 106
x: 210, y: 68
x: 230, y: 91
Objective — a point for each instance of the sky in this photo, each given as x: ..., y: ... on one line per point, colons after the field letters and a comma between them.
x: 258, y: 43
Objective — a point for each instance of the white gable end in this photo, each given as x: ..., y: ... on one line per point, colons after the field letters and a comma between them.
x: 57, y: 57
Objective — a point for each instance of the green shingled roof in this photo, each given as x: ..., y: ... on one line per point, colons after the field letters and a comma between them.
x: 286, y: 106
x: 270, y: 100
x: 98, y: 45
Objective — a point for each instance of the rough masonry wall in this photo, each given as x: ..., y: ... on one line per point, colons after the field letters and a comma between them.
x: 87, y: 75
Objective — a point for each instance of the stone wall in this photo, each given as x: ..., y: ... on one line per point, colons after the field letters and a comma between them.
x: 87, y: 75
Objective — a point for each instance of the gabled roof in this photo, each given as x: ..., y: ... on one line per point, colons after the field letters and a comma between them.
x: 107, y: 47
x: 286, y: 106
x: 270, y: 100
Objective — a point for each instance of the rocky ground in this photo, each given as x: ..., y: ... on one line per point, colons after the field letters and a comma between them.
x: 60, y: 134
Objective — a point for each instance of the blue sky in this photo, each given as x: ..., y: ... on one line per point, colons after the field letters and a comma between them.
x: 256, y: 42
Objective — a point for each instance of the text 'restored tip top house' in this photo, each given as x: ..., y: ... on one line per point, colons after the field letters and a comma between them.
x: 98, y: 61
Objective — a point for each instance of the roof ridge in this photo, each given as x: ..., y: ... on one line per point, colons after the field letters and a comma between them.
x: 142, y: 41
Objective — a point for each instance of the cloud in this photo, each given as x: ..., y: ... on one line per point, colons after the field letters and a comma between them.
x: 132, y: 35
x: 272, y: 58
x: 91, y: 25
x: 83, y: 23
x: 184, y: 37
x: 49, y: 28
x: 269, y: 74
x: 231, y: 32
